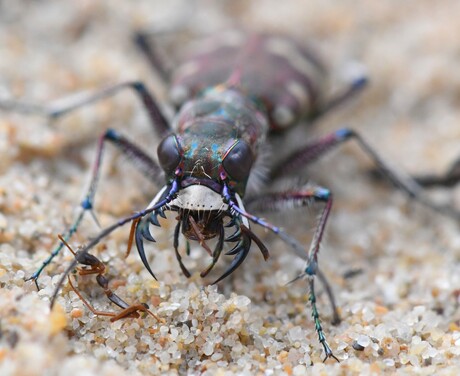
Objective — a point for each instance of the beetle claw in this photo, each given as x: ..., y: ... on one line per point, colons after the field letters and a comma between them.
x: 235, y: 236
x: 162, y: 214
x: 154, y: 219
x: 215, y: 254
x: 139, y: 237
x: 145, y: 231
x: 241, y: 250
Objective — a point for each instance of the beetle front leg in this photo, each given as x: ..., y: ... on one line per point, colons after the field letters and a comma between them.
x: 281, y: 201
x: 278, y: 202
x: 146, y: 164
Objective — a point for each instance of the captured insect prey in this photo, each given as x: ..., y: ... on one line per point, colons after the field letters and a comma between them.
x: 234, y: 94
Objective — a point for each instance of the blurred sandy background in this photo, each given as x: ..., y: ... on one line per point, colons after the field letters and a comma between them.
x: 402, y: 309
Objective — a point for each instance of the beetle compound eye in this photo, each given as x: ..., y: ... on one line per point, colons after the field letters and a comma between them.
x: 169, y: 154
x: 238, y: 161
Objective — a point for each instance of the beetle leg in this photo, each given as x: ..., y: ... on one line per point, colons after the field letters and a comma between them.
x: 354, y: 88
x: 176, y: 250
x: 144, y: 42
x: 72, y: 102
x: 449, y: 179
x: 319, y: 329
x: 279, y: 201
x: 330, y: 294
x: 428, y: 181
x: 140, y: 158
x: 282, y: 200
x: 405, y: 183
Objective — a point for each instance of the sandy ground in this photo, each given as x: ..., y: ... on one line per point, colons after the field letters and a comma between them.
x: 400, y: 313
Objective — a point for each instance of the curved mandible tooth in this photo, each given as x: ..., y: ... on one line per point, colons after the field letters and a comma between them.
x: 263, y: 249
x: 145, y: 231
x: 235, y: 249
x: 235, y: 236
x: 220, y: 243
x: 139, y: 236
x: 216, y: 253
x: 244, y: 247
x: 231, y: 223
x: 153, y: 219
x: 161, y: 212
x: 176, y: 250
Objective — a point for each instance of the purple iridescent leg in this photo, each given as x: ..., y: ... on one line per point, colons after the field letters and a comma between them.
x: 75, y: 101
x: 356, y: 86
x: 144, y: 42
x: 301, y: 198
x: 146, y: 164
x: 316, y: 149
x: 449, y: 179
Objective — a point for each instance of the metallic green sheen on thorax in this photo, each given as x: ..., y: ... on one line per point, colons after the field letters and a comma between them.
x: 210, y: 125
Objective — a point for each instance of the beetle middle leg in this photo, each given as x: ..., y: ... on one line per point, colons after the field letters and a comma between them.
x: 412, y: 186
x: 447, y: 179
x: 144, y: 43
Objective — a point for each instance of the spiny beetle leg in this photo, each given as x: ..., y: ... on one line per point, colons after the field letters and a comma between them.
x: 303, y: 197
x: 143, y: 41
x: 405, y: 183
x: 354, y: 88
x: 73, y: 102
x: 135, y: 154
x: 319, y: 329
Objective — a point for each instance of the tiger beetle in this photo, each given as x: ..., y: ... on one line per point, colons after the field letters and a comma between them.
x: 233, y: 94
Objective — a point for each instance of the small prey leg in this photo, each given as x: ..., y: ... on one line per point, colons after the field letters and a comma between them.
x: 92, y: 265
x: 129, y: 312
